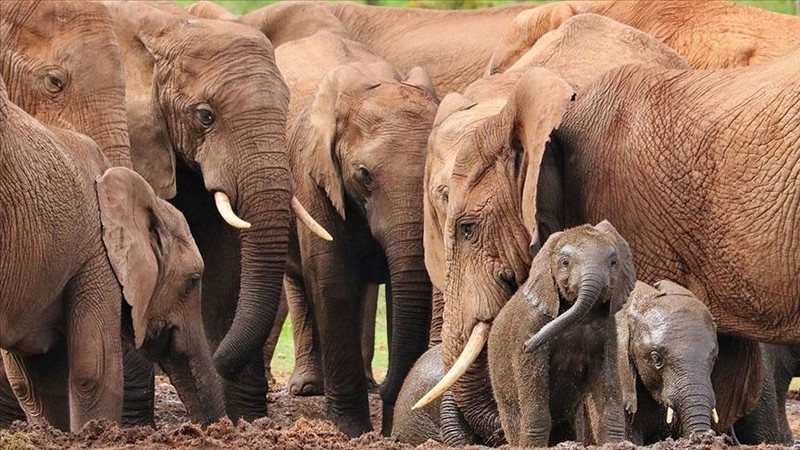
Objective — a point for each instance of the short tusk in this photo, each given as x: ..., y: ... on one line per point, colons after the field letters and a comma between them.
x: 309, y: 221
x: 226, y: 211
x: 714, y: 415
x: 477, y: 339
x: 670, y: 412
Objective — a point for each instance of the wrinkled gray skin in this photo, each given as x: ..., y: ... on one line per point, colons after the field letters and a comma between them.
x: 577, y: 282
x: 667, y: 349
x: 767, y: 423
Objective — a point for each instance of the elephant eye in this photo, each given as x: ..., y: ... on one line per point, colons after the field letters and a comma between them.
x: 205, y: 115
x: 191, y: 283
x: 54, y: 83
x: 364, y: 176
x: 655, y: 360
x: 564, y: 262
x: 467, y: 229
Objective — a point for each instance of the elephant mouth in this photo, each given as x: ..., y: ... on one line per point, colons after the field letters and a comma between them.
x: 159, y: 341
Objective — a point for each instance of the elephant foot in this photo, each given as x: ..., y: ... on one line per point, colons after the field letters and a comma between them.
x: 353, y: 423
x: 305, y: 382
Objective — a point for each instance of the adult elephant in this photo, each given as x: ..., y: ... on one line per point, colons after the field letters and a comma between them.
x: 453, y: 46
x: 484, y: 146
x: 357, y: 134
x: 210, y: 92
x: 710, y: 34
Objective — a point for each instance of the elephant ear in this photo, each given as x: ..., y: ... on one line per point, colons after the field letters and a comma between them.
x: 533, y: 111
x: 322, y: 161
x: 540, y: 288
x: 150, y: 24
x: 451, y: 104
x: 627, y: 279
x: 419, y: 78
x: 133, y: 238
x: 625, y: 362
x: 737, y: 378
x: 210, y: 10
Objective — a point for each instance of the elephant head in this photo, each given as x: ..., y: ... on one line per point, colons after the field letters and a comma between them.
x: 159, y: 267
x: 63, y: 64
x: 210, y: 91
x: 366, y: 130
x: 668, y: 344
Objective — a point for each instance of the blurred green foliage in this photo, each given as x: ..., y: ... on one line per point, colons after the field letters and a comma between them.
x: 244, y: 6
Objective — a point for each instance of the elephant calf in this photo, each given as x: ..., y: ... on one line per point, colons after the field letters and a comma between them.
x: 579, y: 279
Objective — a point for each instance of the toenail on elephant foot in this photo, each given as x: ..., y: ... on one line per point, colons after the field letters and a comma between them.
x: 305, y: 384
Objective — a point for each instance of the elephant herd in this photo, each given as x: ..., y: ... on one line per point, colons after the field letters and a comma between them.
x: 583, y: 213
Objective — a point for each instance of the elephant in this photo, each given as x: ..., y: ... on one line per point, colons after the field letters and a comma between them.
x: 357, y: 133
x: 767, y: 423
x: 667, y: 351
x: 711, y: 34
x: 483, y: 147
x: 553, y: 346
x: 208, y: 96
x: 453, y: 46
x: 69, y: 322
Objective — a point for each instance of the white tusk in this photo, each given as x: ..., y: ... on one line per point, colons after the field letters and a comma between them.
x: 309, y: 221
x: 477, y: 339
x: 714, y: 415
x: 226, y: 211
x: 670, y: 412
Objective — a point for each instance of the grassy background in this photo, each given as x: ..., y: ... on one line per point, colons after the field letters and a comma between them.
x: 283, y: 362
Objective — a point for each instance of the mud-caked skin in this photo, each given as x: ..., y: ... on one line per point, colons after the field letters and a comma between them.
x: 767, y: 422
x: 553, y: 346
x: 667, y: 352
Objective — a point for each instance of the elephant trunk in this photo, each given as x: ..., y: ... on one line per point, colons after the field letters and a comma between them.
x: 695, y: 409
x: 411, y: 309
x: 192, y: 373
x: 262, y: 198
x: 588, y: 295
x: 111, y: 135
x: 474, y: 396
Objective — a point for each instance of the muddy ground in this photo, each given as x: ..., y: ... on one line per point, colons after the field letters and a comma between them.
x: 293, y: 423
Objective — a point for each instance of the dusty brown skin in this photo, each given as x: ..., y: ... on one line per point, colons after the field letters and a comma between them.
x: 580, y: 278
x: 453, y: 46
x: 51, y: 225
x: 357, y: 134
x: 487, y: 158
x: 709, y: 34
x: 210, y: 92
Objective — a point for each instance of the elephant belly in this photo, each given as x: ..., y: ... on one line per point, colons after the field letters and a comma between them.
x: 29, y: 332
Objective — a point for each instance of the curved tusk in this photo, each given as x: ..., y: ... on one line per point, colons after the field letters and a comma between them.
x: 714, y: 415
x: 309, y: 221
x: 477, y: 339
x: 670, y: 412
x: 226, y: 211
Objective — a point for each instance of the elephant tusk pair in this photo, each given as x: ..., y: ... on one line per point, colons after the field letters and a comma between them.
x: 477, y: 339
x: 226, y: 211
x: 714, y: 415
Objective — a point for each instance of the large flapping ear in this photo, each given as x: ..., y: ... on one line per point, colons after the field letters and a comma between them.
x: 523, y: 32
x: 625, y: 362
x: 535, y: 108
x: 627, y: 279
x: 210, y: 10
x: 737, y: 377
x: 131, y: 237
x: 419, y: 78
x: 540, y: 289
x: 322, y: 162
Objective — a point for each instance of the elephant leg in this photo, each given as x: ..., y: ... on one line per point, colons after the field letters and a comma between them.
x: 274, y: 336
x: 337, y: 304
x: 306, y: 377
x: 437, y: 317
x: 94, y: 348
x: 10, y: 410
x: 369, y: 311
x: 40, y: 384
x: 139, y: 395
x: 606, y: 416
x: 533, y: 401
x: 246, y: 396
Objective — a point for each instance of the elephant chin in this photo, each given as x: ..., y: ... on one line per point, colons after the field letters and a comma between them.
x: 477, y: 340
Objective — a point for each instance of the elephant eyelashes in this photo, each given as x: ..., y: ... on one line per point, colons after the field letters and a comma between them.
x: 54, y: 83
x: 205, y: 115
x: 655, y: 360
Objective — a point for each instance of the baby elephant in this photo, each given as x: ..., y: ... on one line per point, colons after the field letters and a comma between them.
x: 577, y: 282
x: 667, y: 349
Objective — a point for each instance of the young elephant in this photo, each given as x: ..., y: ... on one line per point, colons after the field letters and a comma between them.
x: 667, y: 346
x: 564, y: 315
